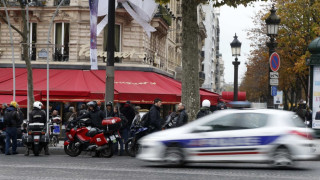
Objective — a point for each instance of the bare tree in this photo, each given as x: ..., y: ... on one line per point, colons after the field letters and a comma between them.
x: 24, y: 43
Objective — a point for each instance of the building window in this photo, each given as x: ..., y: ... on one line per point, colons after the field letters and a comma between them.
x: 61, y: 41
x: 65, y: 3
x: 33, y: 41
x: 117, y: 41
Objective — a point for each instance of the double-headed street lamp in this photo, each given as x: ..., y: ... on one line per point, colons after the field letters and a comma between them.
x: 272, y: 22
x: 235, y: 48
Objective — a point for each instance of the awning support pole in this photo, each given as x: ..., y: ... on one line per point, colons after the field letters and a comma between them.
x: 48, y: 42
x: 12, y: 49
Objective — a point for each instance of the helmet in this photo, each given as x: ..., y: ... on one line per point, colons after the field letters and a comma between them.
x: 109, y: 103
x: 14, y: 104
x: 92, y: 104
x: 37, y: 104
x: 206, y: 103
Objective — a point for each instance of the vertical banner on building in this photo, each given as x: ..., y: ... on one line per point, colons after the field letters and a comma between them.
x: 93, y: 33
x: 316, y: 98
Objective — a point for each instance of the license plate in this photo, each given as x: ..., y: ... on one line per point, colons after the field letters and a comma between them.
x: 36, y: 137
x: 112, y: 138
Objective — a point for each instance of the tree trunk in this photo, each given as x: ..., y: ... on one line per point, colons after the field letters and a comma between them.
x: 292, y: 101
x: 190, y: 58
x: 298, y: 90
x: 285, y: 103
x: 26, y: 57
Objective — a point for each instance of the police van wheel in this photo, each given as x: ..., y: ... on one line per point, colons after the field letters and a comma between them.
x: 282, y: 158
x: 174, y: 156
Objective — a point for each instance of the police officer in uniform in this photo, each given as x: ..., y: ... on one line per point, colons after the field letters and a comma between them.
x: 38, y: 116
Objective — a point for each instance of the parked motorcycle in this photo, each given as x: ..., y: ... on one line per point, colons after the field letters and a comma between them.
x: 132, y: 146
x: 171, y: 121
x: 81, y: 137
x: 36, y: 139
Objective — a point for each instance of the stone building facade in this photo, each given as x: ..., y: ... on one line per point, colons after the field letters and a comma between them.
x: 70, y: 37
x: 212, y: 65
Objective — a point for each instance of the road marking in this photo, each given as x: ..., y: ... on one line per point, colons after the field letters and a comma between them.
x: 142, y: 170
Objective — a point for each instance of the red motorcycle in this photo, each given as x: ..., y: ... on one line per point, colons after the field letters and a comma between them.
x: 82, y: 137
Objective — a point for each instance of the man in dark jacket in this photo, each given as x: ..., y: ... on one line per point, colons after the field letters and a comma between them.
x: 83, y: 110
x: 11, y: 121
x: 128, y: 111
x: 2, y: 127
x: 154, y: 116
x: 95, y: 114
x: 37, y: 115
x: 183, y: 116
x: 205, y: 109
x: 123, y: 131
x: 109, y: 109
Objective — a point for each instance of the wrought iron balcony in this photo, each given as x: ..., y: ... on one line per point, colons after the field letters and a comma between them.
x: 65, y: 3
x: 163, y: 13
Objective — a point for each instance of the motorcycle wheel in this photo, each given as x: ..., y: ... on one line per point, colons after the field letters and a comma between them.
x: 36, y: 149
x: 107, y: 152
x: 72, y: 150
x: 131, y: 148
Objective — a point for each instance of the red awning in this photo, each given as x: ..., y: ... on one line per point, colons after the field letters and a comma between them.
x: 21, y: 100
x: 229, y: 96
x: 86, y: 85
x: 205, y: 94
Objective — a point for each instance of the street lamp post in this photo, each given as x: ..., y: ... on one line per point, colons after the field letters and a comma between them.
x: 272, y: 22
x: 235, y: 48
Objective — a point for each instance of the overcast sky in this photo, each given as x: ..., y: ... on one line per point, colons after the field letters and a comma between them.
x: 236, y: 21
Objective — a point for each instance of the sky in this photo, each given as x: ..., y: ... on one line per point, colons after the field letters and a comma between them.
x: 236, y: 20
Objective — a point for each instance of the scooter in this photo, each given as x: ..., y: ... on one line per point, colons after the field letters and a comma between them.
x: 82, y: 137
x: 54, y: 131
x: 132, y: 146
x: 36, y: 139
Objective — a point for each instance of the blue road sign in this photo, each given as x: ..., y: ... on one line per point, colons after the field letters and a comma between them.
x: 274, y: 62
x: 274, y: 90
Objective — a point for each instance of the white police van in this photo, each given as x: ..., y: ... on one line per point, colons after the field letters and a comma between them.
x: 268, y: 136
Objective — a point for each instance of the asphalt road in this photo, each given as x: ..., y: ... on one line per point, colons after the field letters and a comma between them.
x: 124, y: 167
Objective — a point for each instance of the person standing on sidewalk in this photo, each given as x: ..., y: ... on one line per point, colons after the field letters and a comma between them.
x: 2, y: 128
x: 11, y: 121
x: 109, y: 109
x: 154, y: 115
x: 182, y: 117
x: 123, y: 131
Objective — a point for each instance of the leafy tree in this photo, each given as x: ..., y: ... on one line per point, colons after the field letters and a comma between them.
x: 190, y: 30
x: 24, y: 35
x: 299, y: 26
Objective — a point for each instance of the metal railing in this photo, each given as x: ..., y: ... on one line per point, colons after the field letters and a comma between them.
x: 65, y: 3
